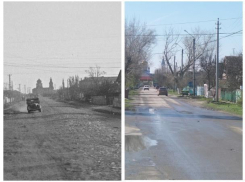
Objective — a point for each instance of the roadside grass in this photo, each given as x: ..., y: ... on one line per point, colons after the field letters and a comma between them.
x: 229, y: 107
x: 172, y: 92
x: 128, y: 102
x: 226, y: 106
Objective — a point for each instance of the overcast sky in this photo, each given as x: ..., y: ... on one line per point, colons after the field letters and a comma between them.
x: 60, y: 39
x: 181, y: 16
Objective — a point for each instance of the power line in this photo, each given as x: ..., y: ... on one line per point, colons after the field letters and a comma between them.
x: 48, y: 66
x: 159, y: 35
x: 194, y: 22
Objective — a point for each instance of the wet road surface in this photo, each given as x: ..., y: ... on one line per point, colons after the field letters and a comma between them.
x: 63, y: 142
x: 167, y: 138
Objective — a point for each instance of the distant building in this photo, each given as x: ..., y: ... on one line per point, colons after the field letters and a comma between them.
x: 41, y: 90
x: 145, y: 76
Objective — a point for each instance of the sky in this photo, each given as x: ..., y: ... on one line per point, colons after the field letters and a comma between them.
x: 44, y: 40
x: 181, y: 16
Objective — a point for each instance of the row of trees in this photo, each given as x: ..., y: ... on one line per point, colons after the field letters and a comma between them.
x: 139, y: 41
x: 138, y: 45
x: 85, y: 88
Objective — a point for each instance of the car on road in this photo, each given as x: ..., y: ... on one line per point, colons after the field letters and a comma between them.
x: 187, y: 91
x: 163, y: 91
x: 33, y: 104
x: 146, y: 87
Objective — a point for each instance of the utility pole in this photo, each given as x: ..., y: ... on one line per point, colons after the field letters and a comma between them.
x: 9, y: 81
x: 67, y: 89
x: 174, y: 74
x: 174, y: 65
x: 217, y: 64
x: 182, y: 61
x: 194, y: 62
x: 25, y: 89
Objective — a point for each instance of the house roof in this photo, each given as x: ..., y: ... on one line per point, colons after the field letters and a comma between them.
x: 110, y: 79
x: 231, y: 58
x: 119, y: 77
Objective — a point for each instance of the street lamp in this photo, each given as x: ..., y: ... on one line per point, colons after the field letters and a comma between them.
x: 194, y: 89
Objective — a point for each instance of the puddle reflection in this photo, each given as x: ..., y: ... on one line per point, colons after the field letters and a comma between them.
x: 134, y: 143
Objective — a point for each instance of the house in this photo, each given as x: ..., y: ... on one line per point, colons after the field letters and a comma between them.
x: 101, y: 90
x: 231, y: 72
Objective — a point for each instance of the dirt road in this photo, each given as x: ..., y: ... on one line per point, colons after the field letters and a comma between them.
x: 63, y: 142
x: 167, y: 138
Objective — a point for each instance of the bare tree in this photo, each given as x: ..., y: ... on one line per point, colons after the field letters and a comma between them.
x: 203, y: 40
x: 207, y: 63
x: 94, y: 73
x: 138, y: 43
x: 234, y: 71
x: 171, y: 41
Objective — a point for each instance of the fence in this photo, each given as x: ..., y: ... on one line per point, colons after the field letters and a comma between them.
x: 232, y: 96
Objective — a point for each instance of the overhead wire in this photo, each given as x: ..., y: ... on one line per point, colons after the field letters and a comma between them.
x: 204, y: 21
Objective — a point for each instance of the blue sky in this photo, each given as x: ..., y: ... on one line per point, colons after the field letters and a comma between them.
x: 158, y: 14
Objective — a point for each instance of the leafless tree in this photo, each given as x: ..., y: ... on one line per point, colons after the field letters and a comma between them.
x: 138, y: 43
x: 171, y: 41
x: 94, y: 73
x: 203, y: 40
x: 207, y: 63
x: 234, y: 72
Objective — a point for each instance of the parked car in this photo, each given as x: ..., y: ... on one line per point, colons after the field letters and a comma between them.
x: 157, y: 87
x: 187, y: 91
x: 163, y: 91
x: 33, y: 104
x: 146, y: 87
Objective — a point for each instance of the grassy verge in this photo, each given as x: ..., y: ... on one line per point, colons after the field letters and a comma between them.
x: 226, y: 106
x: 171, y: 92
x: 128, y: 102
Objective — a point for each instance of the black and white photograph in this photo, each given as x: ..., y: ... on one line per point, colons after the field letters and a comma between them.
x: 62, y: 91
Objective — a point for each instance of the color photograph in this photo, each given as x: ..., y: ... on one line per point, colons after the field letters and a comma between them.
x: 183, y: 90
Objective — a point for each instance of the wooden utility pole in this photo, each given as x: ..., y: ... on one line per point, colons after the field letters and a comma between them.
x: 194, y: 62
x: 217, y: 64
x: 174, y: 75
x: 9, y: 81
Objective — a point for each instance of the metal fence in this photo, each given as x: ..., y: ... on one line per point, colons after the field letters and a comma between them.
x: 232, y: 96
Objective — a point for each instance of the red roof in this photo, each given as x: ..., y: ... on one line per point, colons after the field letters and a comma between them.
x: 145, y: 78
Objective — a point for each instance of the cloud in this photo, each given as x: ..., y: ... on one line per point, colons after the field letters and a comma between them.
x: 163, y: 17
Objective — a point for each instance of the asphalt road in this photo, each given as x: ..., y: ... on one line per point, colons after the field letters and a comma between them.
x: 167, y: 138
x: 63, y: 142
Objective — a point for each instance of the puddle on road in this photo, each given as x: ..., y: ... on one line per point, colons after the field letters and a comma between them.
x: 185, y: 112
x: 134, y: 143
x: 151, y: 111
